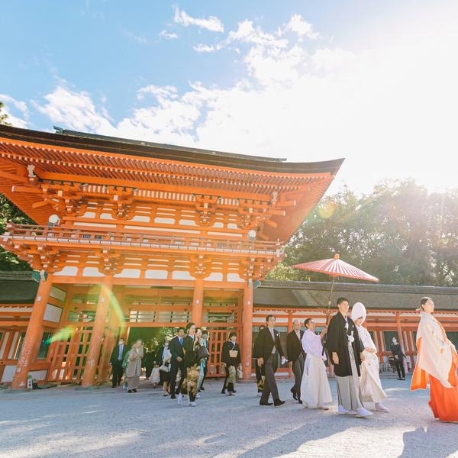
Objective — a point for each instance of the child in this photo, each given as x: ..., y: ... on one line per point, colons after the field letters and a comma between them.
x: 155, y: 375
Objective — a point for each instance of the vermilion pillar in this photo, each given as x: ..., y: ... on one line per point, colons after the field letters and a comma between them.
x: 33, y: 335
x: 197, y: 302
x: 97, y: 332
x: 247, y: 331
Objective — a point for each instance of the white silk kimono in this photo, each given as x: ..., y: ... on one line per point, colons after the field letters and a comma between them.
x: 370, y: 385
x: 315, y: 389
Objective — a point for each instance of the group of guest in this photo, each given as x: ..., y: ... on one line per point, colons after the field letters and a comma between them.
x: 353, y: 356
x: 349, y: 346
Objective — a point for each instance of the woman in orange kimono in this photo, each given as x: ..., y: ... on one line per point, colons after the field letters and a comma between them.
x: 437, y: 362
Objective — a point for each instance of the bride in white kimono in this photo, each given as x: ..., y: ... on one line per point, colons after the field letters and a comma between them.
x: 370, y: 385
x: 315, y: 389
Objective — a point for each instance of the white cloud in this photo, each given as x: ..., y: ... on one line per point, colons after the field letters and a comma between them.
x: 206, y: 48
x: 302, y: 28
x: 246, y: 33
x: 76, y: 111
x: 134, y: 37
x: 168, y: 35
x: 212, y: 23
x: 388, y: 109
x: 19, y: 106
x: 160, y: 92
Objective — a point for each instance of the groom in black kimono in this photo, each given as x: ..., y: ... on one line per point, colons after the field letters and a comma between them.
x: 346, y: 352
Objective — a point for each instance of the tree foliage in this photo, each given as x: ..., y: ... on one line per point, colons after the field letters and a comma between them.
x: 9, y: 212
x: 3, y: 116
x: 400, y: 233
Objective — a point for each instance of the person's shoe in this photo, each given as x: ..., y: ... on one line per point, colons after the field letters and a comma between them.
x: 192, y: 404
x: 129, y: 391
x: 234, y: 391
x: 202, y: 388
x: 399, y: 378
x: 403, y: 378
x: 342, y: 411
x: 264, y: 403
x: 299, y: 401
x: 180, y: 398
x: 381, y: 408
x: 323, y: 407
x: 223, y: 391
x: 134, y: 390
x: 197, y: 396
x: 294, y: 394
x: 362, y: 412
x: 165, y: 394
x: 278, y: 402
x: 173, y: 396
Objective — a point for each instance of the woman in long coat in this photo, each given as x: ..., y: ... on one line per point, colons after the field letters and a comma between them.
x: 437, y: 362
x: 134, y: 366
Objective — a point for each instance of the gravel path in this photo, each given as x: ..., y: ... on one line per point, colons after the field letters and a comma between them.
x: 105, y: 422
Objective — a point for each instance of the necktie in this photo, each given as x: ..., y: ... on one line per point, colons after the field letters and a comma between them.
x: 120, y: 352
x: 274, y: 349
x: 181, y: 341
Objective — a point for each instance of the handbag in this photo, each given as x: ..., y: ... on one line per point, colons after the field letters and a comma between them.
x: 239, y: 372
x: 203, y: 352
x: 164, y: 368
x: 233, y: 353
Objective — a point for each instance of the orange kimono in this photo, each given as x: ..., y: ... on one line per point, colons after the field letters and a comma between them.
x: 437, y: 362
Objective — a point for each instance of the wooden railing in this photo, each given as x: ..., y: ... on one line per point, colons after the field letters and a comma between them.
x: 119, y: 238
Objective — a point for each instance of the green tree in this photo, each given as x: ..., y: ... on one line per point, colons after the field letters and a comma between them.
x: 9, y: 212
x: 3, y: 116
x: 400, y: 233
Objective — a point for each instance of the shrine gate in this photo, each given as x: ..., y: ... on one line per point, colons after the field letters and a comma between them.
x: 136, y: 234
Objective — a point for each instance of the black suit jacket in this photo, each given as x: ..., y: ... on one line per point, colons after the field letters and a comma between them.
x: 294, y: 345
x: 190, y: 351
x: 114, y: 358
x: 175, y: 348
x: 264, y: 344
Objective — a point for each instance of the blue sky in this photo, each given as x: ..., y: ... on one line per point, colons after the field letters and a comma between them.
x: 371, y: 81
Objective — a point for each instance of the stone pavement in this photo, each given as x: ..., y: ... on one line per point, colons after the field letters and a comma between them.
x: 105, y: 422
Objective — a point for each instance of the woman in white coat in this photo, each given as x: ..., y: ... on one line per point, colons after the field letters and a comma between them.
x: 370, y: 385
x: 315, y: 389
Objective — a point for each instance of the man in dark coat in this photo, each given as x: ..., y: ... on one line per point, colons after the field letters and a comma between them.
x: 296, y: 357
x: 346, y: 351
x: 117, y: 355
x: 177, y: 362
x: 267, y: 348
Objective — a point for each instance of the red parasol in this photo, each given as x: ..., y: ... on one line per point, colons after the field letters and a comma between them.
x: 335, y: 267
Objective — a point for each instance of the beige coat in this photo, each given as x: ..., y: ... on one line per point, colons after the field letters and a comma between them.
x: 134, y: 362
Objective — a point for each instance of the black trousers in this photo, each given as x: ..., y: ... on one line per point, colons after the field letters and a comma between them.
x: 270, y: 384
x: 117, y: 372
x: 298, y: 370
x: 400, y: 367
x: 174, y: 366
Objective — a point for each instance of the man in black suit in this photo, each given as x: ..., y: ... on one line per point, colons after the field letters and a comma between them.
x: 177, y: 362
x: 296, y: 357
x: 117, y: 355
x: 267, y: 348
